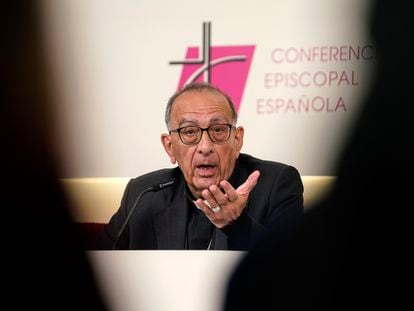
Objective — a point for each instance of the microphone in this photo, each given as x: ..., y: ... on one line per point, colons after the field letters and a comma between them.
x: 163, y: 185
x: 153, y: 188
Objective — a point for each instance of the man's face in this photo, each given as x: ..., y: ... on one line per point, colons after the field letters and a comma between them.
x: 205, y: 163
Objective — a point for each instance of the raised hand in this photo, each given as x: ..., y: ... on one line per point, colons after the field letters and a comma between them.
x: 224, y: 206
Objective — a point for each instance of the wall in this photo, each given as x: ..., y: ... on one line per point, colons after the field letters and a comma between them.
x: 300, y: 72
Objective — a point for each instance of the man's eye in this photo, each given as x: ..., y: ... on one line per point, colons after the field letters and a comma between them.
x: 189, y: 132
x: 219, y: 129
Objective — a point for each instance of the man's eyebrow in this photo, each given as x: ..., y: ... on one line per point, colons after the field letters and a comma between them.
x: 218, y: 119
x: 221, y: 119
x: 192, y: 121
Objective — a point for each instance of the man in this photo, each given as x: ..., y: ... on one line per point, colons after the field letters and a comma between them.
x: 217, y: 200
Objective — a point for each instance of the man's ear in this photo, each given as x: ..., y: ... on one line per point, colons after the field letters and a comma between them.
x: 167, y: 143
x: 238, y: 139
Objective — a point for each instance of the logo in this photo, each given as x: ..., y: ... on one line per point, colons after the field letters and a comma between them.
x: 226, y: 67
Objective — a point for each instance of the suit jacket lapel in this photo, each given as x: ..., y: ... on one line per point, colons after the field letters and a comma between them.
x: 219, y: 240
x: 171, y: 221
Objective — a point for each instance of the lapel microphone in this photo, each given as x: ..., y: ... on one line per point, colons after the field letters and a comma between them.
x: 153, y: 188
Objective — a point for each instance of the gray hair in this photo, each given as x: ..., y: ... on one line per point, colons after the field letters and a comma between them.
x: 197, y: 86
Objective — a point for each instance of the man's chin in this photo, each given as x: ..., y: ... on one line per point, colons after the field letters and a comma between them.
x: 205, y: 182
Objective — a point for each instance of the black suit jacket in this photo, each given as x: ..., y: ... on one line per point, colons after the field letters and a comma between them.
x: 160, y: 219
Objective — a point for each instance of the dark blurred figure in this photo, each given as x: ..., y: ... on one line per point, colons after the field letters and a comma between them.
x: 44, y: 267
x: 355, y: 250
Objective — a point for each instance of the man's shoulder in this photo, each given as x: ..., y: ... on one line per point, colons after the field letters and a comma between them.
x: 270, y: 171
x: 254, y: 162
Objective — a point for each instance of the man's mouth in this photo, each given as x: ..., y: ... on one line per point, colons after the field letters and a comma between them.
x: 205, y: 170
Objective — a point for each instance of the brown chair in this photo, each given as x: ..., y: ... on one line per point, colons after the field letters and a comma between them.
x: 88, y: 232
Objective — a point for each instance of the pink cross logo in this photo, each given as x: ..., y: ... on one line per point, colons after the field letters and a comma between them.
x: 226, y: 67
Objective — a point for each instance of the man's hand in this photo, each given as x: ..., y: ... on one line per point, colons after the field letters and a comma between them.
x: 224, y: 208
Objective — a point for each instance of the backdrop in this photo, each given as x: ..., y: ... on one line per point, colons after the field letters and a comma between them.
x: 298, y: 72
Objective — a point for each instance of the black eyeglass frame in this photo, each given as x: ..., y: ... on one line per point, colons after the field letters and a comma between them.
x: 178, y: 130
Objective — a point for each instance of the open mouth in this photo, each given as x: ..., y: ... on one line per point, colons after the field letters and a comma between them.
x: 205, y: 170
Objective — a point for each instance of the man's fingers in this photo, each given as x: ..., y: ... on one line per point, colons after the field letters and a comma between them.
x: 230, y: 193
x: 249, y: 184
x: 204, y: 207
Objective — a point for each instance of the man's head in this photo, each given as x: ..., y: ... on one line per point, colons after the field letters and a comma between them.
x: 204, y: 162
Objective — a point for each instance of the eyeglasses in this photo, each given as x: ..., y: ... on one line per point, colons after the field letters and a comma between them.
x: 191, y: 135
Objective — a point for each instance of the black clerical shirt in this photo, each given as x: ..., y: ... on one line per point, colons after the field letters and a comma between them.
x: 199, y: 227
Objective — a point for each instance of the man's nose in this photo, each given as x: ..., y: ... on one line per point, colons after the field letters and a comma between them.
x: 205, y: 145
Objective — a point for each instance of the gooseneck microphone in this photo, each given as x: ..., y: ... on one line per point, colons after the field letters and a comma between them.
x: 154, y: 188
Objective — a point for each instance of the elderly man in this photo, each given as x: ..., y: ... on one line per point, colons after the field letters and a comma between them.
x: 217, y: 197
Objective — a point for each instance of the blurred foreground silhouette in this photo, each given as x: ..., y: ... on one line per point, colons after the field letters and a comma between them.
x: 355, y: 249
x: 45, y: 266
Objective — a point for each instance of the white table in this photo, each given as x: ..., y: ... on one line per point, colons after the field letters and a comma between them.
x: 164, y: 280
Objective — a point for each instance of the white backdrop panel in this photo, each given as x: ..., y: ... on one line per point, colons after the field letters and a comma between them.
x: 114, y: 77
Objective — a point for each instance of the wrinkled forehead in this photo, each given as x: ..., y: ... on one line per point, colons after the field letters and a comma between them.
x: 201, y: 103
